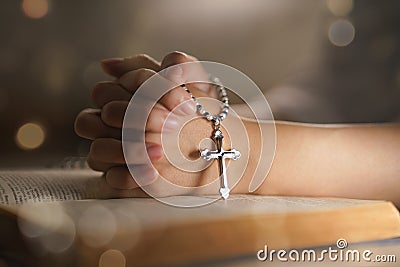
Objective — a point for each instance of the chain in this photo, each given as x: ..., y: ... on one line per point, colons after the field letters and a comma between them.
x: 222, y: 96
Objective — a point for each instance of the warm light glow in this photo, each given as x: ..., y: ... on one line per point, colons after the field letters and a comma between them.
x: 97, y: 226
x: 30, y: 136
x: 112, y: 258
x: 340, y: 7
x: 341, y: 33
x: 48, y: 225
x: 35, y: 9
x: 39, y: 220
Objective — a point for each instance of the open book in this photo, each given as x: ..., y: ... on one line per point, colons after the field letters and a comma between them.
x: 67, y: 218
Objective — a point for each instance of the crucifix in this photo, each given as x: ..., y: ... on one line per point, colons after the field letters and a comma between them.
x: 221, y: 155
x: 216, y: 120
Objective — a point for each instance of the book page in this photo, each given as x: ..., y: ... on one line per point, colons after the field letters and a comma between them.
x: 47, y: 185
x: 31, y: 186
x: 152, y: 213
x: 17, y: 187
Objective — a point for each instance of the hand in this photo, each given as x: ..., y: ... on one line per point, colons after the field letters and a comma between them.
x: 103, y: 125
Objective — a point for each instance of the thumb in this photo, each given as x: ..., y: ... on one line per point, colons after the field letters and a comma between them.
x: 184, y: 72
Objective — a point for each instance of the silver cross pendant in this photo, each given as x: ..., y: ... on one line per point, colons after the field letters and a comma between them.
x: 221, y: 155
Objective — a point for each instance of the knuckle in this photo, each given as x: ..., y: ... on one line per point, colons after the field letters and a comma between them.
x: 106, y: 113
x: 97, y: 92
x: 158, y: 113
x: 174, y: 103
x: 82, y: 121
x: 175, y: 97
x: 153, y: 138
x: 175, y: 57
x: 99, y: 89
x: 92, y: 164
x: 95, y: 148
x: 108, y: 108
x: 141, y: 56
x: 142, y: 75
x: 133, y: 79
x: 193, y: 58
x: 156, y: 119
x: 119, y: 178
x: 110, y: 113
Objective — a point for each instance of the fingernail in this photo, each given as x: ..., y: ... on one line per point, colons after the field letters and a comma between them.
x: 171, y: 123
x: 112, y: 61
x: 205, y: 87
x: 186, y: 108
x: 174, y: 73
x: 154, y: 152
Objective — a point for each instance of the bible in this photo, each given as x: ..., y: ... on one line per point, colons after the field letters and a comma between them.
x: 62, y: 217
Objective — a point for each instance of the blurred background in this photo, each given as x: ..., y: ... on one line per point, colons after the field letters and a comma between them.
x: 318, y: 61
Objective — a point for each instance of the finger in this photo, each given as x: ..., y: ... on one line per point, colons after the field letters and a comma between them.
x: 120, y: 177
x: 112, y: 114
x: 132, y: 80
x: 119, y: 66
x: 88, y: 124
x: 153, y: 139
x: 139, y: 153
x: 98, y: 165
x: 104, y: 92
x: 181, y: 74
x: 179, y: 101
x: 175, y: 58
x: 185, y: 72
x: 107, y: 150
x: 161, y: 119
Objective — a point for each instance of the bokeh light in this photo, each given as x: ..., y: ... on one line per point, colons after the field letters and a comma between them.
x: 35, y: 220
x: 35, y: 9
x: 60, y: 240
x: 30, y: 136
x: 48, y: 225
x: 127, y: 221
x: 50, y: 58
x: 341, y: 33
x: 340, y: 7
x: 112, y: 258
x: 97, y: 226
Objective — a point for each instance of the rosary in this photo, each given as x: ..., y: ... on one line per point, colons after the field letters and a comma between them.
x: 220, y: 154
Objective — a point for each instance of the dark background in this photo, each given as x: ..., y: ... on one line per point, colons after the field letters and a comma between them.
x: 300, y: 53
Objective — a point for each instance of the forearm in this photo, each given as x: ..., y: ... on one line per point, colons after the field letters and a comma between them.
x: 360, y: 161
x: 356, y: 161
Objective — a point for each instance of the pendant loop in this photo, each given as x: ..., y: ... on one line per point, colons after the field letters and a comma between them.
x: 217, y: 124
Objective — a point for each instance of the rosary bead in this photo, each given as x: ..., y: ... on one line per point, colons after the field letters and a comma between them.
x: 222, y: 95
